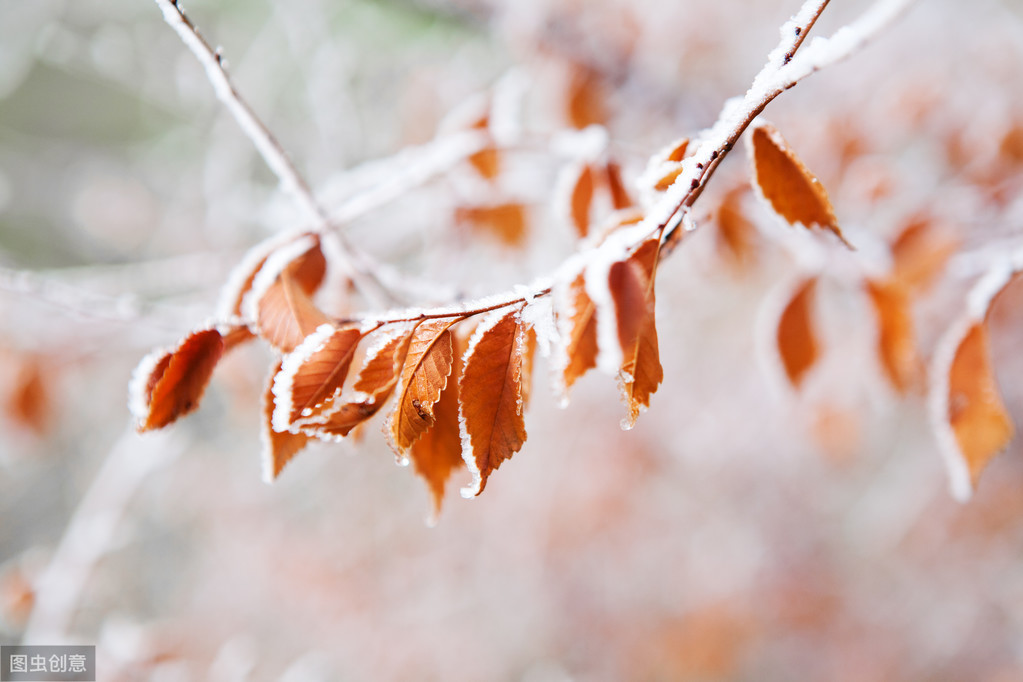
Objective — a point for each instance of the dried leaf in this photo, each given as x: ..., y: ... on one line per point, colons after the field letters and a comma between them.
x: 582, y: 199
x: 169, y: 384
x: 490, y: 401
x: 666, y: 165
x: 797, y: 341
x: 505, y: 221
x: 307, y: 268
x: 423, y: 378
x: 279, y: 447
x: 976, y: 414
x: 579, y: 329
x: 790, y: 189
x: 632, y: 287
x: 313, y: 374
x: 895, y: 343
x: 286, y: 314
x: 375, y: 383
x: 438, y: 452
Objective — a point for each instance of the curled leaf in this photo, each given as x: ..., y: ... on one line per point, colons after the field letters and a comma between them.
x: 491, y: 400
x: 375, y: 383
x: 632, y: 287
x: 577, y: 324
x: 313, y: 374
x: 279, y: 447
x: 169, y: 384
x: 788, y: 187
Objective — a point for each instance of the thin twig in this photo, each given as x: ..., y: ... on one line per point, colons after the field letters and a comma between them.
x: 360, y: 265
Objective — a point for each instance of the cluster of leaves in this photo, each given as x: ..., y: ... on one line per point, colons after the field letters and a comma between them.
x: 459, y: 377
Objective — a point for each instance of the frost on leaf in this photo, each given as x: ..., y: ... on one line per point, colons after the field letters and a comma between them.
x: 423, y: 378
x: 286, y: 315
x: 313, y: 374
x: 581, y: 199
x: 632, y: 287
x: 578, y: 327
x: 505, y: 221
x: 798, y: 346
x: 490, y: 400
x: 896, y: 346
x: 975, y: 413
x: 438, y: 452
x: 666, y: 166
x: 788, y: 187
x: 375, y: 383
x: 279, y: 447
x: 169, y: 384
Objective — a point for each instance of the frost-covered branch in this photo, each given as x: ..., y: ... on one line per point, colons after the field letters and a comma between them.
x: 359, y: 265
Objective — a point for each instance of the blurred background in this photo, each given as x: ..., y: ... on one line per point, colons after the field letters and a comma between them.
x: 744, y: 530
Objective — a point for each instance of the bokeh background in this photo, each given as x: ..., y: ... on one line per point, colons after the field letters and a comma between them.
x: 742, y: 531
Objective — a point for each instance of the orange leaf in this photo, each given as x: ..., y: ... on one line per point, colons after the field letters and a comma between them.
x: 579, y: 329
x: 28, y: 398
x: 286, y: 314
x: 423, y: 378
x: 620, y: 198
x: 896, y: 346
x: 792, y: 191
x: 486, y: 162
x: 666, y: 166
x: 313, y: 374
x: 279, y: 447
x: 735, y: 231
x: 979, y: 420
x: 491, y: 396
x: 920, y: 253
x: 585, y: 104
x: 169, y: 384
x: 307, y: 268
x: 505, y: 221
x: 438, y: 452
x: 375, y: 384
x: 632, y: 287
x: 582, y: 198
x: 797, y: 341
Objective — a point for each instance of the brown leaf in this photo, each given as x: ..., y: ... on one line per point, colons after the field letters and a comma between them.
x: 620, y: 198
x: 920, y: 253
x: 896, y: 345
x: 579, y: 329
x: 490, y: 401
x: 286, y: 315
x: 505, y: 221
x: 279, y: 447
x: 423, y: 378
x: 791, y: 190
x: 632, y: 287
x: 307, y: 269
x: 313, y: 374
x: 582, y: 199
x: 438, y: 452
x: 169, y: 384
x: 797, y: 340
x: 978, y: 418
x: 375, y: 384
